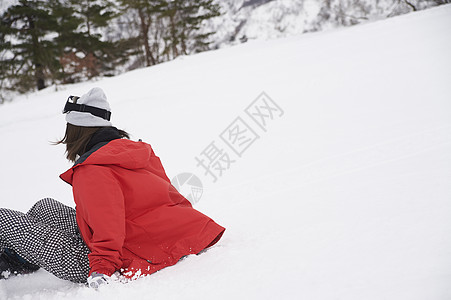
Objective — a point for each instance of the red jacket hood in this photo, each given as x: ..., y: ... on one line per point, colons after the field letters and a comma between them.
x: 120, y: 152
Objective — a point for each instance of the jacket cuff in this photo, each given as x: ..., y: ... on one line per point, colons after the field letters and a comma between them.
x: 104, y: 271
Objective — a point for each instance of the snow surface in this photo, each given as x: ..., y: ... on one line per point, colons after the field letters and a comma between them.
x: 347, y: 195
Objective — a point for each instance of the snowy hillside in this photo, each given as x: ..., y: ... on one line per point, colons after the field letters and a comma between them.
x: 345, y: 194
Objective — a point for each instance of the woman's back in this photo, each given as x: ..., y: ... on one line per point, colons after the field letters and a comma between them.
x: 124, y: 183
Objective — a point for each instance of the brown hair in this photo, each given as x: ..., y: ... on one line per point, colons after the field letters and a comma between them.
x: 76, y: 138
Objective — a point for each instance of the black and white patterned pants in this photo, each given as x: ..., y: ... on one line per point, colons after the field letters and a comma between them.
x: 47, y: 236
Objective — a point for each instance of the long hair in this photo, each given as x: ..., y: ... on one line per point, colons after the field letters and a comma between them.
x: 76, y: 138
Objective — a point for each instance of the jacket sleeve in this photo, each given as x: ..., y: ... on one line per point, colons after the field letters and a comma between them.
x: 100, y: 201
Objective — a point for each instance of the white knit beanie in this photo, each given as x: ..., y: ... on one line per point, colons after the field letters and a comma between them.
x: 97, y: 98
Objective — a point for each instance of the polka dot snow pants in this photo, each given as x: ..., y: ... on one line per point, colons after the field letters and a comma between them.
x: 47, y: 236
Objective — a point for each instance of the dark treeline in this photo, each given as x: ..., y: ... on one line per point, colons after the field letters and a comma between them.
x: 66, y: 41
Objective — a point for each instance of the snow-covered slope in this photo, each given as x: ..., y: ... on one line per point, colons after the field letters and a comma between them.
x: 346, y: 195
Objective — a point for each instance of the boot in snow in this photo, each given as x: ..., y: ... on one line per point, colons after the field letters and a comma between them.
x: 13, y: 264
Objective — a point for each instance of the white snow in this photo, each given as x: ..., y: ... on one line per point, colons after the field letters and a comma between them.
x: 347, y: 195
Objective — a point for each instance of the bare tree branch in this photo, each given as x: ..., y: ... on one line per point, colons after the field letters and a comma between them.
x: 410, y: 4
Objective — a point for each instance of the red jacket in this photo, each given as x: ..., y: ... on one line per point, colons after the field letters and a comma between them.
x: 129, y: 215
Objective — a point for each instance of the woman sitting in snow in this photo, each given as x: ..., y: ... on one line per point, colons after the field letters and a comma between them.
x: 129, y: 219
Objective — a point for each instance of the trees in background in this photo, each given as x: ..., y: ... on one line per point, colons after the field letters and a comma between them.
x: 45, y: 42
x: 28, y: 55
x: 150, y: 29
x: 168, y: 29
x: 83, y: 52
x: 64, y: 41
x: 184, y: 18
